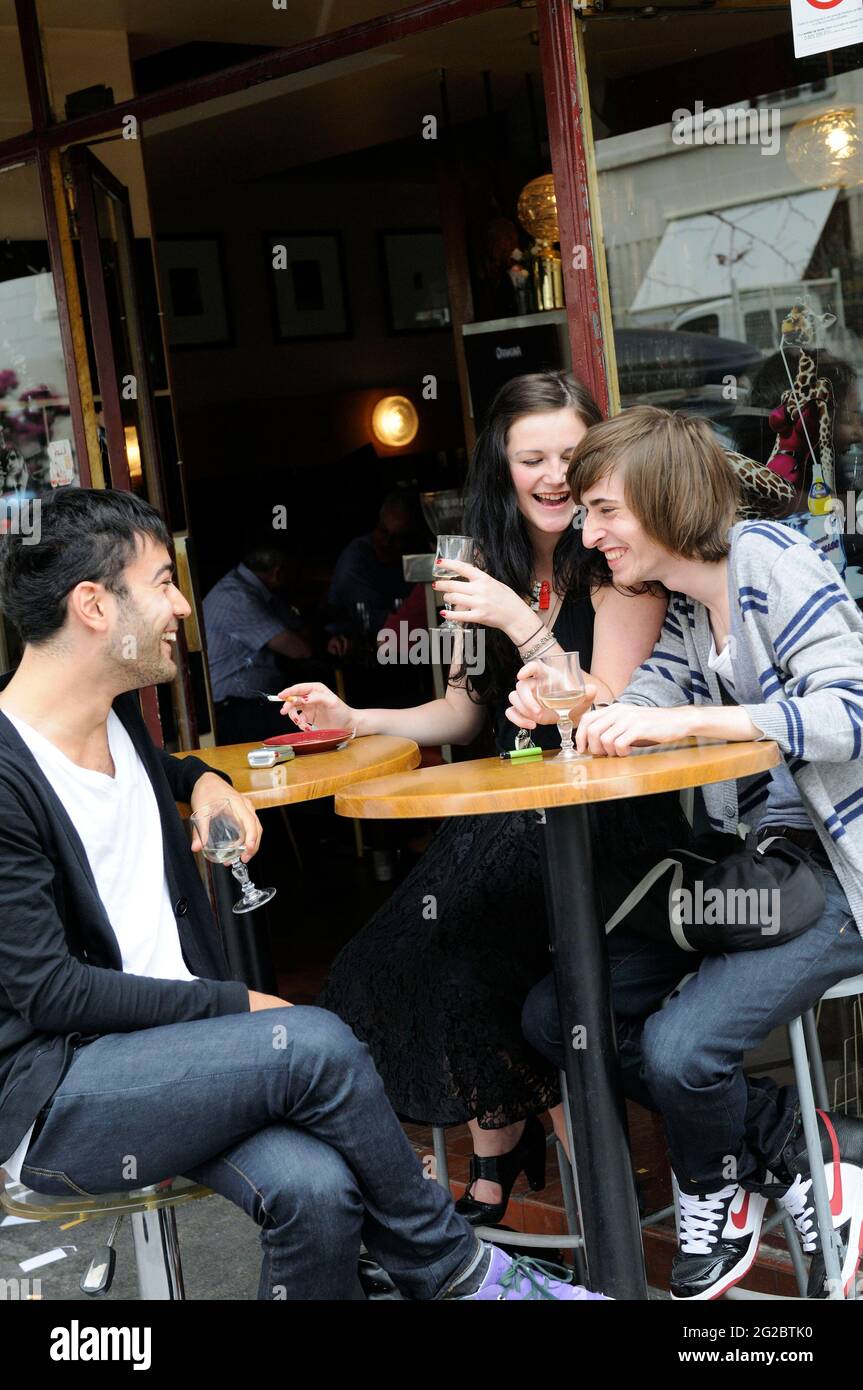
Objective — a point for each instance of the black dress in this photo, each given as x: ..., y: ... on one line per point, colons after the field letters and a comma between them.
x: 436, y: 981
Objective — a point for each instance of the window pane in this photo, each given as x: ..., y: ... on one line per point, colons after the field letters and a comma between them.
x: 37, y: 450
x: 731, y: 187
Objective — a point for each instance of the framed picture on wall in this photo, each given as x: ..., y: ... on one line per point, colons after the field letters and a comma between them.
x: 192, y: 276
x: 415, y: 281
x: 308, y: 287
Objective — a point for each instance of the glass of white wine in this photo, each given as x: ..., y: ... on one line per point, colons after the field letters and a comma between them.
x: 222, y: 842
x: 561, y: 688
x: 453, y: 548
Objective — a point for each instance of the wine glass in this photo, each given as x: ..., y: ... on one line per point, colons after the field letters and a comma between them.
x: 452, y: 548
x: 560, y: 688
x: 223, y: 841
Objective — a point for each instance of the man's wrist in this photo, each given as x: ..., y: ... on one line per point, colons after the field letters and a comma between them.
x: 211, y: 772
x: 729, y: 722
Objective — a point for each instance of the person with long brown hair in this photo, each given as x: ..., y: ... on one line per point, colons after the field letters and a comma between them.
x: 761, y: 640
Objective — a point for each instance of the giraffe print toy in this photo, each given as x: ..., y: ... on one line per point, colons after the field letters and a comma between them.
x: 804, y: 412
x: 763, y: 491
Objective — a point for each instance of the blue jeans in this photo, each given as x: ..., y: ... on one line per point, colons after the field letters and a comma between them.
x: 280, y: 1111
x: 685, y: 1060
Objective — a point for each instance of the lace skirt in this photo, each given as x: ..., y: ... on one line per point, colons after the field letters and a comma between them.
x: 435, y: 983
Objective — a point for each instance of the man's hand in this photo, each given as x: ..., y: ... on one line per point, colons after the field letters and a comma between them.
x: 257, y: 1002
x: 526, y: 712
x: 209, y: 788
x: 616, y: 729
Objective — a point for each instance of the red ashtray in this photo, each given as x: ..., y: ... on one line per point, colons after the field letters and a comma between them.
x: 311, y: 740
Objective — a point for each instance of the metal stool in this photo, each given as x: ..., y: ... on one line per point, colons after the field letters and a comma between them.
x: 811, y: 1083
x: 573, y: 1240
x: 812, y: 1088
x: 154, y: 1224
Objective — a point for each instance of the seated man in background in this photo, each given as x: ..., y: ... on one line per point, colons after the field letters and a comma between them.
x: 761, y: 640
x: 127, y: 1055
x: 255, y: 638
x: 369, y: 570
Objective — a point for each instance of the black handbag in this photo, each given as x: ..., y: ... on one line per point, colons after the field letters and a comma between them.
x: 721, y: 897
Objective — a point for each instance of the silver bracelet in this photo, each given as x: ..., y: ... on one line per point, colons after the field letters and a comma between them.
x: 542, y: 644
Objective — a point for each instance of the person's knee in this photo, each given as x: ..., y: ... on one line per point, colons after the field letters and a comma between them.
x: 309, y: 1187
x: 674, y: 1057
x: 321, y: 1044
x: 323, y: 1034
x: 540, y: 1021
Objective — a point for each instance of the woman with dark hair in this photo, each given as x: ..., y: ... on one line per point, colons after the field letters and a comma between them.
x: 435, y: 982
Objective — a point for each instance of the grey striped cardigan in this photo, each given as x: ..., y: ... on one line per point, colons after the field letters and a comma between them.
x: 796, y: 625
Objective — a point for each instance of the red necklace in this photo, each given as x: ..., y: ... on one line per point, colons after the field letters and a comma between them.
x: 542, y: 595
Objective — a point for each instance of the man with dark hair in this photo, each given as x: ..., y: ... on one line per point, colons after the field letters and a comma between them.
x: 127, y: 1055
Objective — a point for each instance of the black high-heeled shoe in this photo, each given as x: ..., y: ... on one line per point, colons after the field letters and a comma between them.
x: 527, y: 1156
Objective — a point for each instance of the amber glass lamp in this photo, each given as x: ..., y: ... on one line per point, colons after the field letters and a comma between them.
x: 537, y: 213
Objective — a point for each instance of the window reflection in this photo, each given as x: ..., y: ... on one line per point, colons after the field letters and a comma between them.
x: 733, y: 225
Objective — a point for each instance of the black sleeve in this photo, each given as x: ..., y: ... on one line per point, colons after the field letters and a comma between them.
x: 183, y: 773
x: 49, y: 987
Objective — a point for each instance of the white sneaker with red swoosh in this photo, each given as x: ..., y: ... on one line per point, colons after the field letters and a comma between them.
x: 842, y: 1150
x: 717, y: 1241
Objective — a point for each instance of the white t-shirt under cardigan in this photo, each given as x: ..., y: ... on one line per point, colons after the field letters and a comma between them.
x: 118, y: 823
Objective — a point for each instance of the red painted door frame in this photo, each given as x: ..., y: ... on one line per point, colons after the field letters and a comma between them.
x: 569, y: 167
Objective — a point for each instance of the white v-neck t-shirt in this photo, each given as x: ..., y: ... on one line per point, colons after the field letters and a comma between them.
x: 118, y: 823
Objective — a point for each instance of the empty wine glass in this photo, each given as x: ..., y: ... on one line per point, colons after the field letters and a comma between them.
x: 222, y: 842
x: 452, y: 548
x: 560, y: 688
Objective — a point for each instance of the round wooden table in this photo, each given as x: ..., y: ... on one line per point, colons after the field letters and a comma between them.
x: 307, y: 777
x: 609, y: 1209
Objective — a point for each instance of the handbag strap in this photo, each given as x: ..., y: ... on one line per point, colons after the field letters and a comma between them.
x: 643, y: 887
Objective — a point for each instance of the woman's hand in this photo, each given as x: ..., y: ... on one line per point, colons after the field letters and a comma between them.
x: 310, y: 702
x: 486, y: 601
x: 525, y: 710
x: 210, y: 788
x: 615, y: 730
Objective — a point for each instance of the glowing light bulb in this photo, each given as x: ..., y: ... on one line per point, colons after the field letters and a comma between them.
x: 838, y: 142
x: 395, y: 421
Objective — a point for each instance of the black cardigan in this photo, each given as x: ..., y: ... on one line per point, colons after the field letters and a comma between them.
x: 61, y: 974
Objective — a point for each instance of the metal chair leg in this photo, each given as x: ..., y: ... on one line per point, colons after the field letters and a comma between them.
x: 829, y: 1239
x: 816, y: 1062
x: 440, y: 1159
x: 796, y: 1253
x: 570, y: 1205
x: 157, y: 1255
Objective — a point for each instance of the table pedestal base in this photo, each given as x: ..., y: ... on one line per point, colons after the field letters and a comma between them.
x: 603, y: 1166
